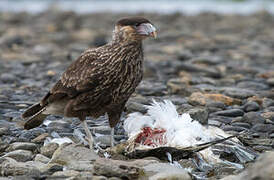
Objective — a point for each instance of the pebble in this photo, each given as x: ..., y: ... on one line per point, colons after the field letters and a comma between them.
x: 263, y: 128
x: 41, y: 158
x: 233, y: 128
x: 199, y: 114
x: 20, y: 155
x: 251, y: 106
x: 22, y: 146
x: 257, y: 86
x: 49, y: 149
x: 229, y: 113
x: 241, y: 124
x: 10, y: 167
x: 253, y: 118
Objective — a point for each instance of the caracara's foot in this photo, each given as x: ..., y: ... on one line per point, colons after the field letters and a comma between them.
x: 89, y: 135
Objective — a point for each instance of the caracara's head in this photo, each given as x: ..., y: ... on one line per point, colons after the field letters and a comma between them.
x: 134, y: 29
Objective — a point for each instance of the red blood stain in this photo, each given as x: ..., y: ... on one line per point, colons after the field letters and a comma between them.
x: 151, y: 137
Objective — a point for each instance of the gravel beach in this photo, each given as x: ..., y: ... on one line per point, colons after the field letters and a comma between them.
x: 218, y: 68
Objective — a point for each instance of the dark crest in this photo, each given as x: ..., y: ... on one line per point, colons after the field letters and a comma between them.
x: 132, y: 21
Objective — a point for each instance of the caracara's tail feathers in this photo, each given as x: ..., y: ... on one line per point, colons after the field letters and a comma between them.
x: 35, y: 116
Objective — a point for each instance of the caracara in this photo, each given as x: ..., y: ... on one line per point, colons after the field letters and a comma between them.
x: 100, y: 81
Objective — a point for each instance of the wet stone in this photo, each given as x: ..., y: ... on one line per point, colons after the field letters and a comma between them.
x: 229, y: 113
x: 253, y: 118
x: 199, y: 114
x: 233, y: 128
x: 251, y: 106
x: 241, y: 124
x: 263, y: 128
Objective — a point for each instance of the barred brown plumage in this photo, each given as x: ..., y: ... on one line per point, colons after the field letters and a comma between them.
x: 100, y: 81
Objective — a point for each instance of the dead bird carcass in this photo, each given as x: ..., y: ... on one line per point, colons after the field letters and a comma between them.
x: 165, y: 134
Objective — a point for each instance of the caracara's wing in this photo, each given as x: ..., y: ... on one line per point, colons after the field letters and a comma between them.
x: 81, y: 76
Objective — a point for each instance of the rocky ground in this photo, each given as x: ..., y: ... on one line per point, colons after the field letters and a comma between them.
x: 219, y: 68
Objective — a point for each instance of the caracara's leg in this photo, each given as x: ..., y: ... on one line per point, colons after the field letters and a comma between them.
x: 112, y: 137
x: 88, y: 133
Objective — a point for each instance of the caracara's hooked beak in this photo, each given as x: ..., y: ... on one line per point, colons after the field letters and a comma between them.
x: 147, y: 29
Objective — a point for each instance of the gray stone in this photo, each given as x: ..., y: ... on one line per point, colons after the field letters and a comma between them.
x: 80, y: 166
x: 22, y: 146
x: 49, y: 149
x: 229, y: 113
x: 257, y: 86
x: 151, y: 88
x: 270, y: 81
x: 238, y: 92
x: 164, y: 171
x: 20, y: 155
x: 135, y: 107
x: 41, y: 158
x: 253, y: 118
x: 100, y: 178
x: 71, y: 153
x: 10, y: 167
x: 199, y: 114
x: 241, y: 124
x: 121, y: 169
x: 251, y: 106
x: 66, y: 173
x: 262, y: 169
x: 4, y: 131
x: 233, y: 128
x: 267, y: 102
x: 8, y: 77
x: 263, y: 128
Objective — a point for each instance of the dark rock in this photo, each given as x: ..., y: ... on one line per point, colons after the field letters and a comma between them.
x: 233, y: 128
x: 241, y: 124
x: 251, y: 106
x: 261, y: 169
x: 199, y: 114
x: 263, y: 128
x: 253, y: 118
x: 151, y: 88
x: 229, y: 113
x: 238, y: 93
